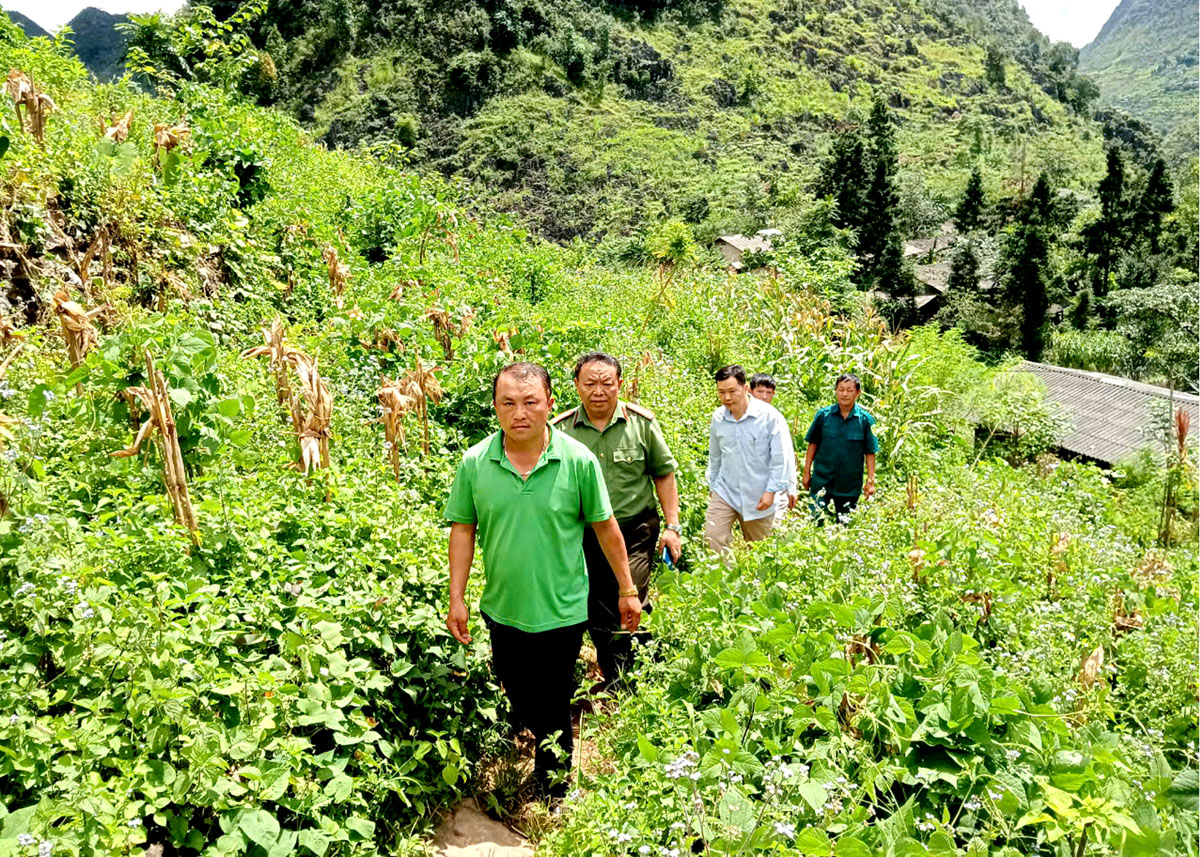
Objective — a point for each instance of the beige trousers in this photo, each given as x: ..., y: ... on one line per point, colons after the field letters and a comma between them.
x: 719, y: 521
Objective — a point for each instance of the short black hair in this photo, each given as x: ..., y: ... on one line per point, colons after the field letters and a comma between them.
x: 731, y: 371
x: 524, y: 372
x: 848, y: 376
x: 597, y: 357
x: 761, y: 379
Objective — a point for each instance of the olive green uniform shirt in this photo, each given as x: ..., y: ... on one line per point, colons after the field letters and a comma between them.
x: 632, y: 453
x: 843, y: 443
x: 530, y: 531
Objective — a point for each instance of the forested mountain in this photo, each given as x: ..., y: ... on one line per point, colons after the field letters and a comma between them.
x: 99, y: 43
x: 587, y: 118
x: 1145, y: 62
x: 28, y: 26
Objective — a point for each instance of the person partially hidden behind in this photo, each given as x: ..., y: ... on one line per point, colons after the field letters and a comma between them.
x: 528, y: 491
x: 762, y: 387
x: 840, y: 441
x: 637, y: 466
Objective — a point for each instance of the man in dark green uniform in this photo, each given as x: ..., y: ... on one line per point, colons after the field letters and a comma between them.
x: 637, y: 465
x: 839, y: 441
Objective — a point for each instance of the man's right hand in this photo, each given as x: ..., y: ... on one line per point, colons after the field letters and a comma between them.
x: 806, y: 480
x: 456, y: 621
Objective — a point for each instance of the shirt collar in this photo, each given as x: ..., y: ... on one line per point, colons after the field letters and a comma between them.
x: 554, y: 447
x: 754, y: 409
x: 582, y: 417
x: 854, y: 411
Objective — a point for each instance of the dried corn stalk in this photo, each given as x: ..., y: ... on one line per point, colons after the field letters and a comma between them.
x: 396, y: 405
x: 983, y: 598
x: 170, y: 137
x: 1123, y: 620
x: 8, y: 331
x: 339, y: 274
x: 37, y: 104
x: 1089, y: 671
x: 446, y: 330
x: 161, y: 420
x: 78, y: 329
x: 118, y: 131
x: 422, y: 386
x: 316, y: 426
x: 280, y: 353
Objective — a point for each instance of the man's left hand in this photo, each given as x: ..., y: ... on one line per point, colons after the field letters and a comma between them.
x: 672, y: 542
x: 869, y: 489
x: 766, y: 501
x: 631, y: 612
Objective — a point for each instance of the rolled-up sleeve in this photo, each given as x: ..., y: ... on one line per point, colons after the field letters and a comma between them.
x: 714, y: 454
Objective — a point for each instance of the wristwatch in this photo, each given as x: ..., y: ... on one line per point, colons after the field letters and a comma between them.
x: 675, y: 528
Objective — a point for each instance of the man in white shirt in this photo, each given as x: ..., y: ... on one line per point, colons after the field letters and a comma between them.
x: 748, y: 445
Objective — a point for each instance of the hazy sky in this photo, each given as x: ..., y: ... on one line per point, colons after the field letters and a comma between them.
x: 1074, y: 21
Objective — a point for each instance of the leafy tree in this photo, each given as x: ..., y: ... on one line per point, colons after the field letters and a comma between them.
x: 970, y: 208
x: 1161, y: 325
x: 993, y: 67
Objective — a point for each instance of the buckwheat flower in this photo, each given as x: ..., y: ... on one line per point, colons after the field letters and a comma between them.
x: 49, y: 396
x: 1013, y: 755
x: 624, y: 837
x: 88, y: 613
x: 45, y: 848
x: 12, y: 720
x: 24, y: 839
x: 387, y: 445
x: 995, y: 795
x: 135, y: 822
x: 783, y: 829
x: 644, y: 849
x: 324, y: 671
x: 632, y: 805
x: 24, y: 588
x: 10, y: 455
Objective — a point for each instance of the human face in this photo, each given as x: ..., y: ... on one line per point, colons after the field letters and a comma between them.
x: 598, y: 387
x: 847, y: 395
x: 734, y: 396
x: 522, y: 408
x: 764, y: 393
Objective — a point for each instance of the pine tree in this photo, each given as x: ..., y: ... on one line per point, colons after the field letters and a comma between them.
x: 1026, y: 260
x: 1105, y: 237
x: 879, y: 214
x: 964, y: 271
x: 993, y: 67
x: 843, y: 178
x: 1158, y: 200
x: 970, y: 208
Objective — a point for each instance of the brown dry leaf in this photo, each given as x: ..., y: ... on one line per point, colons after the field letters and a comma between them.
x: 1090, y: 669
x: 339, y: 273
x: 169, y: 137
x: 37, y: 104
x: 1154, y: 570
x: 316, y: 426
x: 118, y: 131
x: 1123, y: 620
x: 984, y: 598
x: 860, y: 645
x: 396, y: 404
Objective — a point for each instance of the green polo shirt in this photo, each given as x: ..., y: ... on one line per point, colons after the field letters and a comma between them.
x: 531, y: 530
x: 632, y: 453
x: 842, y: 443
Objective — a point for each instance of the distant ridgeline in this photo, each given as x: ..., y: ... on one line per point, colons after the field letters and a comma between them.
x: 588, y: 119
x: 1145, y: 62
x: 97, y: 41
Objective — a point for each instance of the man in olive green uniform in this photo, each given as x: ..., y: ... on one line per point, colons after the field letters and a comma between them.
x: 637, y: 465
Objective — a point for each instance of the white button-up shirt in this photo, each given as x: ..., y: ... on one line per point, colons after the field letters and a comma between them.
x: 749, y: 456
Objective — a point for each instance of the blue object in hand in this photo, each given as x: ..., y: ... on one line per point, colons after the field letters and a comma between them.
x: 666, y: 558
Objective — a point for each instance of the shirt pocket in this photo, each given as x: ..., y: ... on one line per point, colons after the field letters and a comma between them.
x: 630, y: 459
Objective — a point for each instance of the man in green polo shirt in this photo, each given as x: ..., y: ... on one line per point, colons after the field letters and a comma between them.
x: 637, y: 465
x: 528, y: 492
x: 840, y: 440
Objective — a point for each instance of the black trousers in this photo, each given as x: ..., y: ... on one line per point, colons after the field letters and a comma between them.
x: 832, y: 505
x: 537, y: 671
x: 614, y: 651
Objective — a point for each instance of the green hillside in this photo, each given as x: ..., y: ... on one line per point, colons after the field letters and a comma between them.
x: 586, y: 118
x: 98, y: 41
x: 1145, y: 62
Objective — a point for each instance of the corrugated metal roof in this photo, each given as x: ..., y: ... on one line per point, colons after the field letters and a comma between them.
x: 744, y: 244
x: 1111, y: 417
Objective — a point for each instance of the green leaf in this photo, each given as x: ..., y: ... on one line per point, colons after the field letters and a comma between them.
x: 1184, y: 791
x: 648, y: 751
x: 339, y: 788
x: 850, y: 846
x: 261, y: 827
x: 229, y: 408
x: 364, y: 828
x: 814, y: 795
x: 813, y: 841
x: 4, y: 143
x: 316, y: 841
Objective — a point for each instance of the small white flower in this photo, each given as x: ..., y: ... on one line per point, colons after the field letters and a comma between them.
x: 135, y: 822
x: 782, y: 829
x: 13, y: 721
x: 45, y: 847
x: 25, y: 839
x: 644, y: 849
x: 324, y: 671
